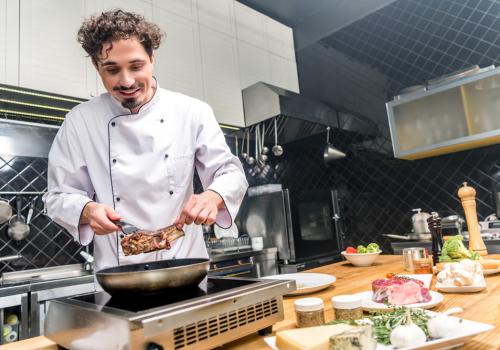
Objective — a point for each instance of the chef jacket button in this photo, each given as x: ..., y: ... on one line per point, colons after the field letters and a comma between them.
x: 113, y: 123
x: 166, y: 155
x: 117, y: 199
x: 171, y: 192
x: 161, y: 120
x: 114, y: 161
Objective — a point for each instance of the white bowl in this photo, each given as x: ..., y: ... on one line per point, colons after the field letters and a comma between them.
x: 365, y: 259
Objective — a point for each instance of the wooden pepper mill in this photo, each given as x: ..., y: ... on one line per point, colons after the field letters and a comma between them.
x: 434, y: 222
x: 468, y: 197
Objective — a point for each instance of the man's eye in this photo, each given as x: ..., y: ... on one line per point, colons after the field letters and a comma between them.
x: 112, y: 71
x: 136, y: 67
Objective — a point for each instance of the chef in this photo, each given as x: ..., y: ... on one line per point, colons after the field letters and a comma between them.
x: 131, y: 153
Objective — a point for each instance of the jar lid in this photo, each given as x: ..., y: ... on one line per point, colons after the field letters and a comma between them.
x: 308, y: 304
x: 346, y: 302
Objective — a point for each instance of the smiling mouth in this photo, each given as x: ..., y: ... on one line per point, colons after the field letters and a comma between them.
x: 130, y: 93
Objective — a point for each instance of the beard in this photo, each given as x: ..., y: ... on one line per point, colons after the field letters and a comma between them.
x: 133, y: 102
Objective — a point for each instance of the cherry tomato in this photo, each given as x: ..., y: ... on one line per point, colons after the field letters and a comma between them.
x: 351, y: 250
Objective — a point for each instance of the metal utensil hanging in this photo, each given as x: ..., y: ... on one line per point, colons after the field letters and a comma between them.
x: 18, y: 229
x: 250, y: 159
x: 263, y: 153
x: 5, y: 211
x: 277, y: 149
x: 332, y: 153
x: 265, y: 149
x: 244, y: 154
x: 236, y: 145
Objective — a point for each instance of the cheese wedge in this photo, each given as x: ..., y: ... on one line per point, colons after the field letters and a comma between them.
x: 310, y: 338
x: 355, y: 339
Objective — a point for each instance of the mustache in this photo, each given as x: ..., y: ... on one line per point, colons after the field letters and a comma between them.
x: 129, y: 88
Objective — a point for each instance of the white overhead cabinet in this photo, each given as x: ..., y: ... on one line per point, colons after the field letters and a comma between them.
x: 280, y: 39
x: 178, y: 59
x: 50, y: 59
x: 254, y: 64
x: 143, y: 7
x: 282, y: 55
x: 9, y: 43
x: 213, y: 49
x: 217, y: 15
x: 284, y: 73
x: 221, y: 80
x: 250, y: 26
x: 269, y: 44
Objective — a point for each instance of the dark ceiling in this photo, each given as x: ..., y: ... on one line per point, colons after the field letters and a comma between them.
x: 409, y: 41
x: 315, y: 20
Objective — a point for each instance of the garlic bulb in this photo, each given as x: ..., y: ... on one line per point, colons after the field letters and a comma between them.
x: 443, y: 326
x: 408, y: 334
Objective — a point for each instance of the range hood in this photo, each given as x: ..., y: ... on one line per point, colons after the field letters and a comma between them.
x: 297, y: 116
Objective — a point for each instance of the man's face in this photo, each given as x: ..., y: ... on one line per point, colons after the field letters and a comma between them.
x: 126, y: 71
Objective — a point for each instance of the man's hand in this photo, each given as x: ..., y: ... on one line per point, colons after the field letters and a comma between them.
x: 200, y: 209
x: 99, y: 217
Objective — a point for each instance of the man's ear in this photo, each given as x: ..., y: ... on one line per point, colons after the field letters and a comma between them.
x: 152, y: 58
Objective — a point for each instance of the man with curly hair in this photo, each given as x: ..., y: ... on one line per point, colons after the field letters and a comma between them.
x: 131, y: 152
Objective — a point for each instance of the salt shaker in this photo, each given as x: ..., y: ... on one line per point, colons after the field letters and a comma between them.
x: 437, y: 236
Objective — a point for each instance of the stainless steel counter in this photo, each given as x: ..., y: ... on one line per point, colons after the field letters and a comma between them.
x: 29, y: 290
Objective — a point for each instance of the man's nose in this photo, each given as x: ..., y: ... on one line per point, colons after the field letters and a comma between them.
x: 126, y: 80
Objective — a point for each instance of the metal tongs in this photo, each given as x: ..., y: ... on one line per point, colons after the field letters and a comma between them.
x: 126, y: 227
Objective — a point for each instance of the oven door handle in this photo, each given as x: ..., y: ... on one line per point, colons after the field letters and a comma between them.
x: 239, y: 264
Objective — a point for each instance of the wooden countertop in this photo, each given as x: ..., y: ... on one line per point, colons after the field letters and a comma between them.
x: 483, y: 306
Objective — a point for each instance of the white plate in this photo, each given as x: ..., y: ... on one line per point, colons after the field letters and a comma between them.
x: 462, y: 289
x: 370, y: 305
x: 306, y: 282
x: 491, y: 271
x: 469, y: 330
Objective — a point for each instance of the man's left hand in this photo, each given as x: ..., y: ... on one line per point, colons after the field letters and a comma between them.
x: 200, y: 209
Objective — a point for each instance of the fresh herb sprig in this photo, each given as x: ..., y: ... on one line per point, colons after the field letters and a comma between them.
x: 385, y: 322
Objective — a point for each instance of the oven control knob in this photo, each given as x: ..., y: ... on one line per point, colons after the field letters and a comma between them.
x: 154, y: 346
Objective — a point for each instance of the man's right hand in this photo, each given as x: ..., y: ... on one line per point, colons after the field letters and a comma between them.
x: 99, y: 217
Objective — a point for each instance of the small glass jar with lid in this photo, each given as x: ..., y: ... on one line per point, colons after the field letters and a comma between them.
x: 347, y: 307
x: 309, y: 312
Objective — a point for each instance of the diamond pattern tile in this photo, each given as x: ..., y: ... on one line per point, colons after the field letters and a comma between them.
x: 378, y: 191
x: 47, y: 244
x: 412, y: 41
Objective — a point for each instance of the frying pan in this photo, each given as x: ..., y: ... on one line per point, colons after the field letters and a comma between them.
x: 153, y: 276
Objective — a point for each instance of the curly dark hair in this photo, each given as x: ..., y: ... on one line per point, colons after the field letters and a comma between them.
x: 115, y: 25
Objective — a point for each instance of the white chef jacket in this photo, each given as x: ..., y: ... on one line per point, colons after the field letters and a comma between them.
x: 142, y: 165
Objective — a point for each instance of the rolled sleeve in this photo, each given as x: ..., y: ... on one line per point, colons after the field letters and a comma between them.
x: 219, y: 170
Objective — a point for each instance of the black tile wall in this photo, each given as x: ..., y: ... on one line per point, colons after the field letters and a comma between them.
x: 412, y: 41
x: 47, y: 243
x: 379, y: 191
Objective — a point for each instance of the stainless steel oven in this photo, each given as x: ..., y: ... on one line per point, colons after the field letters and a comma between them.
x: 303, y: 225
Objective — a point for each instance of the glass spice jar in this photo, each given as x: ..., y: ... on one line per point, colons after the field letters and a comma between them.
x: 309, y: 312
x: 347, y: 307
